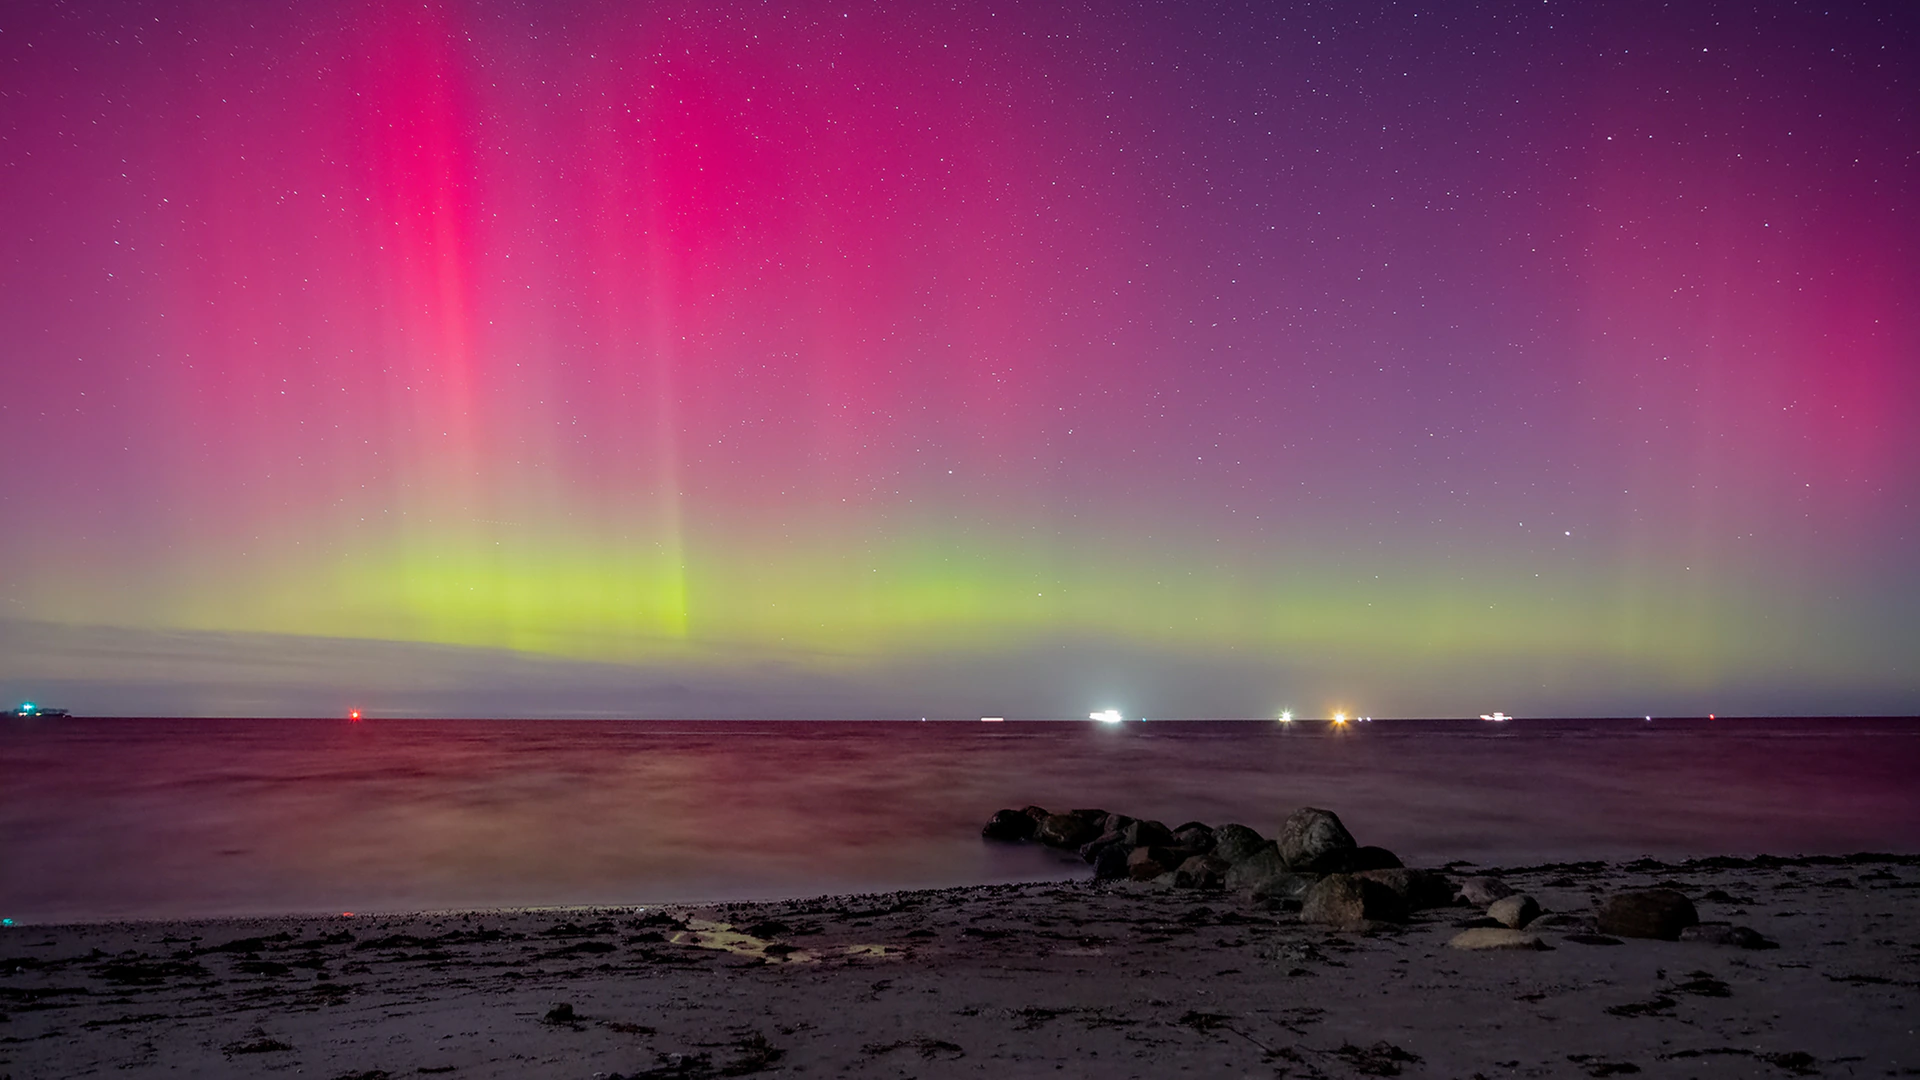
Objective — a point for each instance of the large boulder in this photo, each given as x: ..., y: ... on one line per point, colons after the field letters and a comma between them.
x: 1481, y: 891
x: 1147, y: 832
x: 1091, y: 850
x: 1194, y: 835
x: 1147, y: 863
x: 1515, y: 911
x: 1356, y: 860
x: 1345, y: 900
x: 1263, y: 863
x: 1647, y: 913
x: 1421, y: 889
x: 1008, y: 825
x: 1285, y: 885
x: 1065, y: 831
x: 1236, y: 842
x: 1111, y: 863
x: 1311, y: 836
x: 1116, y: 822
x: 1202, y: 872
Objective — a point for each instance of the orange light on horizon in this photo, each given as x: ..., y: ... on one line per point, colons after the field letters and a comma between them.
x: 353, y: 715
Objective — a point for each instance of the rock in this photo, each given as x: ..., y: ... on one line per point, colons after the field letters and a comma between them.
x: 1498, y: 937
x: 1284, y: 885
x: 1345, y: 900
x: 1421, y: 889
x: 1095, y: 819
x: 1037, y: 813
x: 1236, y: 842
x: 1008, y: 825
x: 1263, y: 863
x: 561, y: 1012
x: 1194, y: 835
x: 1647, y: 913
x: 1514, y: 911
x: 1202, y: 872
x: 1116, y: 822
x: 1723, y: 934
x: 1564, y: 920
x: 1091, y: 849
x: 1111, y: 863
x: 1481, y: 891
x: 1148, y: 832
x: 1310, y: 836
x: 1064, y: 831
x: 1147, y: 863
x: 1357, y: 860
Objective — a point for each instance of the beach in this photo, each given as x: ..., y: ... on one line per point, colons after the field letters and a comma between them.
x: 1066, y: 978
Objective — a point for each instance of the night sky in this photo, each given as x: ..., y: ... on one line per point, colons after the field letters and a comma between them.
x: 899, y: 359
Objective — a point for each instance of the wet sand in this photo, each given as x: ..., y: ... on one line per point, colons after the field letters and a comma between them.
x: 1053, y: 979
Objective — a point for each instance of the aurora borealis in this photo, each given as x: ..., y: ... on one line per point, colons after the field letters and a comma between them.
x: 883, y: 359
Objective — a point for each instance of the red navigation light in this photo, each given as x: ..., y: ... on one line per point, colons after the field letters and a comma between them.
x: 353, y: 714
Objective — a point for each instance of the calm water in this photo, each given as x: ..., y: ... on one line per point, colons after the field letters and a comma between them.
x: 149, y: 818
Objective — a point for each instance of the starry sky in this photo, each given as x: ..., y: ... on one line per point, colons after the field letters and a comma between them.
x: 884, y: 359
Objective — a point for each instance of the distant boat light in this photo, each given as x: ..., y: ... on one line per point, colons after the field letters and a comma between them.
x: 353, y: 714
x: 1339, y: 718
x: 1286, y: 716
x: 993, y: 719
x: 1106, y: 716
x: 1495, y: 717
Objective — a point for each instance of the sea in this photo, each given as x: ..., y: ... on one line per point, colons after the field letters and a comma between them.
x: 110, y: 819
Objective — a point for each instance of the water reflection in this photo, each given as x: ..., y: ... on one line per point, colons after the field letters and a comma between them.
x: 159, y: 817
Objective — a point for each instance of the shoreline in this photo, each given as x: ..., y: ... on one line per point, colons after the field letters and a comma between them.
x: 1072, y: 978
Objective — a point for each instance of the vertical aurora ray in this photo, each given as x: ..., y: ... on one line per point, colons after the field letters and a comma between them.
x: 1337, y: 345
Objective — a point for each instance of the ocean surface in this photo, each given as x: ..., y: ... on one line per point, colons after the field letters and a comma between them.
x: 146, y: 818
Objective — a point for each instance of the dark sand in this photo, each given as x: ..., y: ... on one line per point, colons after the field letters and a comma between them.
x: 1063, y: 979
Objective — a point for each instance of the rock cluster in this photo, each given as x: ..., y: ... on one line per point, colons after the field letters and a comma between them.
x: 1312, y: 860
x: 1314, y: 865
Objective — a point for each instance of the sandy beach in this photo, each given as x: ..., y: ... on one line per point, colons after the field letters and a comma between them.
x: 1074, y: 978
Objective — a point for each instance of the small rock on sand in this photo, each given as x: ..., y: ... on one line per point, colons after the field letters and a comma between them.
x: 1496, y: 937
x: 1310, y: 835
x: 1647, y: 913
x: 1514, y: 911
x: 1481, y: 891
x: 1721, y: 934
